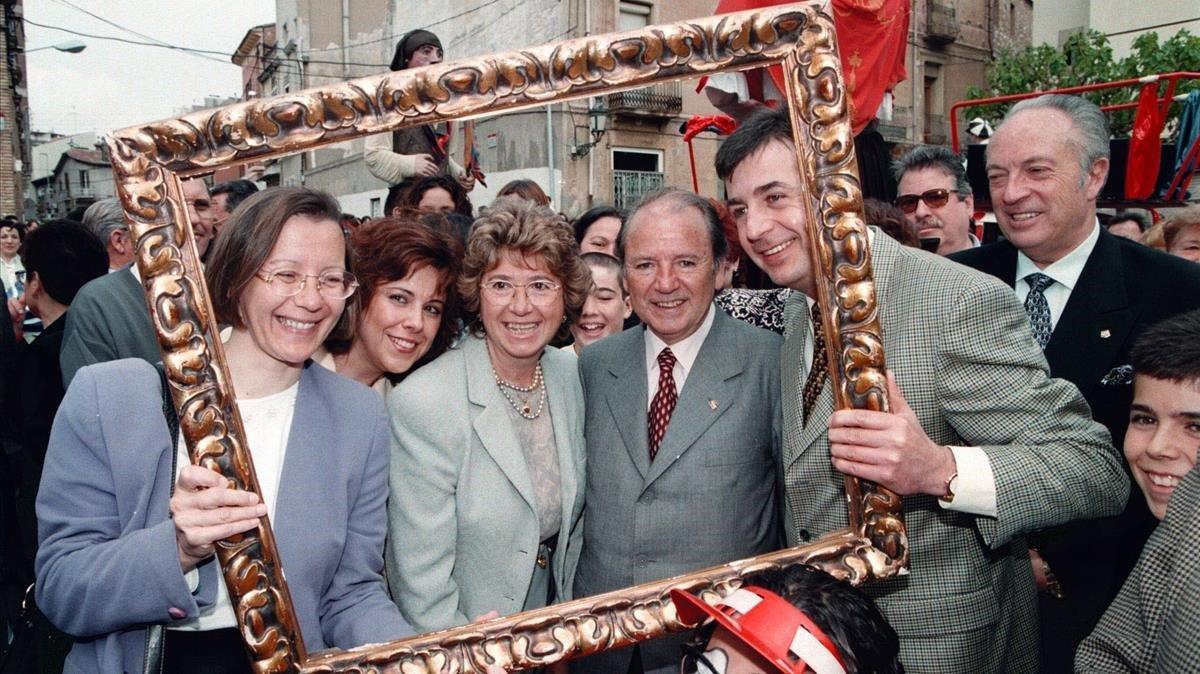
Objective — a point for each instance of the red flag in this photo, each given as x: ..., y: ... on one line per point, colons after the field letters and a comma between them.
x: 872, y: 38
x: 1145, y: 145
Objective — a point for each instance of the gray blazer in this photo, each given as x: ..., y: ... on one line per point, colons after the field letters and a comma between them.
x: 463, y: 533
x: 108, y: 320
x: 1153, y: 624
x: 107, y: 565
x: 961, y: 348
x: 710, y: 495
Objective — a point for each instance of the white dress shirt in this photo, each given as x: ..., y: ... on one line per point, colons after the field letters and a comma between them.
x: 685, y: 351
x: 268, y: 424
x: 1065, y: 272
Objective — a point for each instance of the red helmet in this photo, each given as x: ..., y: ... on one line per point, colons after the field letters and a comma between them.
x: 771, y: 625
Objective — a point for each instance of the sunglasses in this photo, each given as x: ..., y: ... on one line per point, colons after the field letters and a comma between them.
x: 932, y: 199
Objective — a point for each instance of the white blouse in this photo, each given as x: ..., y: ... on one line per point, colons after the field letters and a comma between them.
x: 268, y: 422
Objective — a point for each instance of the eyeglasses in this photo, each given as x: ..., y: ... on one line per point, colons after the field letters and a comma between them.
x: 333, y: 285
x: 540, y: 291
x: 932, y: 199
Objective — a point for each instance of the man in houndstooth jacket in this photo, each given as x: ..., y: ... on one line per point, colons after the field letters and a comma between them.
x: 1154, y: 624
x: 983, y: 444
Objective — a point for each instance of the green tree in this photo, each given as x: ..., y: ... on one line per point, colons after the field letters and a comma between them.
x: 1087, y: 58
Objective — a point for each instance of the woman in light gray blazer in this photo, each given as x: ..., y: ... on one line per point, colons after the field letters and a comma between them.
x: 487, y: 441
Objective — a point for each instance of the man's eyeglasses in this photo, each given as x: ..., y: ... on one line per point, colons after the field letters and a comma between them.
x: 540, y: 291
x: 333, y: 285
x: 932, y: 199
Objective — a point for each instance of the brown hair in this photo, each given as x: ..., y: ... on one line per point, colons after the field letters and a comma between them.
x: 731, y: 232
x: 519, y: 226
x: 891, y: 220
x: 1176, y: 222
x: 391, y: 249
x: 246, y: 241
x: 527, y: 190
x: 598, y: 260
x: 410, y: 196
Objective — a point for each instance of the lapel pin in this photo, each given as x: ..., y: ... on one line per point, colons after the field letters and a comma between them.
x: 1105, y: 334
x: 712, y: 405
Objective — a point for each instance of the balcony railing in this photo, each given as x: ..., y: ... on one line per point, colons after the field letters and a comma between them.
x: 660, y: 100
x: 941, y: 23
x: 630, y: 186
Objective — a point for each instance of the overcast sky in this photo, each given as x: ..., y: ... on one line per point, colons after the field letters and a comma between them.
x: 110, y: 84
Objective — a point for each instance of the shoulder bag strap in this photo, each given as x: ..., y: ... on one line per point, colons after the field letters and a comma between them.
x: 156, y: 635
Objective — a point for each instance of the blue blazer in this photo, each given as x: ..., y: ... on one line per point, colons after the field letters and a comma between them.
x: 108, y: 564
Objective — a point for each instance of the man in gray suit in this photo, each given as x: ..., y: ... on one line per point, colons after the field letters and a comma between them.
x: 109, y: 319
x: 982, y: 443
x: 681, y: 424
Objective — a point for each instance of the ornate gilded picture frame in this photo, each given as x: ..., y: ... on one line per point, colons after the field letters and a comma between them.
x: 150, y: 160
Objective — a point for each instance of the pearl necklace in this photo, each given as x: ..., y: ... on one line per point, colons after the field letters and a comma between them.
x: 522, y: 407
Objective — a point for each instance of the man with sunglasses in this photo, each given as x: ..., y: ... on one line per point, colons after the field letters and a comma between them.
x: 936, y: 197
x: 1088, y: 294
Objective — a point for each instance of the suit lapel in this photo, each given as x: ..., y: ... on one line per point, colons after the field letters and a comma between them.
x: 304, y: 469
x: 800, y: 438
x: 706, y: 395
x: 1096, y: 320
x: 493, y: 424
x: 1000, y: 261
x: 627, y: 397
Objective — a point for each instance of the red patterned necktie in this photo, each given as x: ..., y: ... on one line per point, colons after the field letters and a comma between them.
x: 819, y: 368
x: 664, y: 401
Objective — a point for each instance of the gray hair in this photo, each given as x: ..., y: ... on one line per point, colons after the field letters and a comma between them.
x: 1091, y: 141
x: 105, y: 217
x: 682, y: 199
x: 934, y: 157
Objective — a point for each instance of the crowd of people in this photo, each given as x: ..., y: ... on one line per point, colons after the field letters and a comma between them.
x: 455, y: 415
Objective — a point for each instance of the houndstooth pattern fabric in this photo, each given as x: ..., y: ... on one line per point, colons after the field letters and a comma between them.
x: 1037, y: 309
x: 958, y: 343
x: 664, y: 401
x: 819, y: 369
x: 1153, y: 624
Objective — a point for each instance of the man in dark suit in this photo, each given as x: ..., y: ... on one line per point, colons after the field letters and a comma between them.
x: 109, y: 319
x: 1088, y: 295
x: 60, y: 257
x: 682, y: 423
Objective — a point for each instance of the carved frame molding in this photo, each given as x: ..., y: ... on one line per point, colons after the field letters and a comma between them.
x: 150, y: 159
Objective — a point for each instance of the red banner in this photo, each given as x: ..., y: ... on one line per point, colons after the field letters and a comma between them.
x: 1145, y: 145
x: 872, y: 36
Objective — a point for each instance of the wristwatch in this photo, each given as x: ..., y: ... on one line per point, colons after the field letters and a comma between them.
x: 951, y: 484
